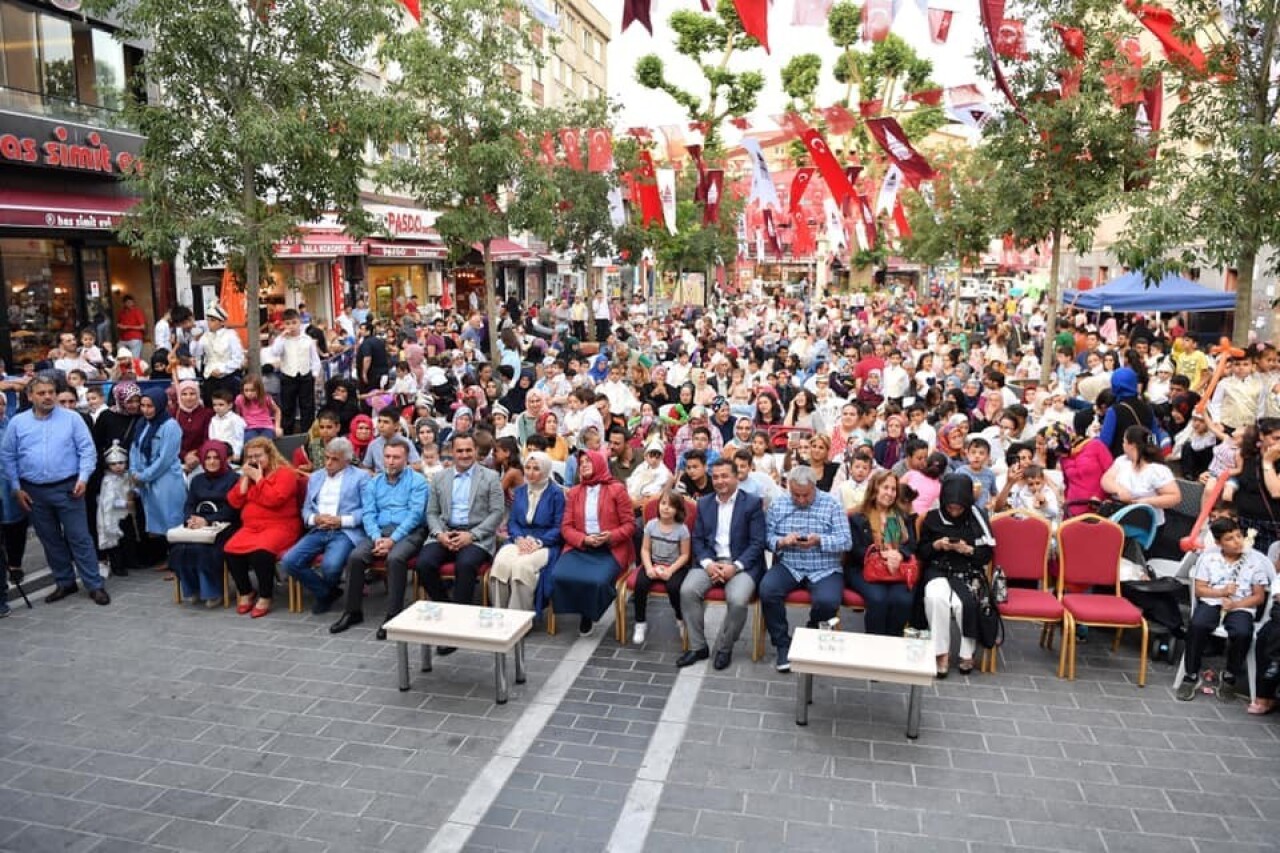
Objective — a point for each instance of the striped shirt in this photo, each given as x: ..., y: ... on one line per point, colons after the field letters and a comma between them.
x: 823, y: 517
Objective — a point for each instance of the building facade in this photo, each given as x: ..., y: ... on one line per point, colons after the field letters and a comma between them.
x: 64, y: 147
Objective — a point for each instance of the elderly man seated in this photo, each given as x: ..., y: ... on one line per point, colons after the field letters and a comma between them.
x: 333, y: 516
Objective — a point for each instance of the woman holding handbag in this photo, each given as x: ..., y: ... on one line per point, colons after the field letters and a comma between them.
x: 882, y: 567
x: 211, y: 519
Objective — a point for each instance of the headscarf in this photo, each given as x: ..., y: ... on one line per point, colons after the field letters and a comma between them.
x: 218, y: 448
x: 414, y: 355
x: 600, y: 473
x: 599, y: 371
x: 125, y: 391
x: 358, y: 445
x: 514, y: 399
x: 541, y: 422
x: 462, y: 411
x: 184, y: 385
x: 958, y: 489
x: 152, y: 425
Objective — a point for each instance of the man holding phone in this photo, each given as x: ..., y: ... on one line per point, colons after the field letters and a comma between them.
x: 808, y: 533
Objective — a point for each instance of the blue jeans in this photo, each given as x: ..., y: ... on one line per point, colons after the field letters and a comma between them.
x: 826, y: 595
x: 63, y: 529
x: 332, y: 546
x: 888, y: 604
x: 251, y: 434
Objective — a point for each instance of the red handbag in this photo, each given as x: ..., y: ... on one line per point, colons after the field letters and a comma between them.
x: 875, y: 569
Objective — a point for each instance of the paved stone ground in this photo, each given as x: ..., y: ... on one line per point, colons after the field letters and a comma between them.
x: 148, y: 726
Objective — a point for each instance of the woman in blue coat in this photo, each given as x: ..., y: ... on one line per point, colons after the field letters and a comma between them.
x: 155, y: 466
x: 521, y: 574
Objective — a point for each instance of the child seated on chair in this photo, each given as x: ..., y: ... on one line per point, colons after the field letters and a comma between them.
x: 1031, y: 492
x: 1229, y: 585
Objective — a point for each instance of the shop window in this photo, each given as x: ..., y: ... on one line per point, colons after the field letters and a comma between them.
x: 109, y: 74
x: 130, y: 276
x: 40, y: 278
x: 57, y: 58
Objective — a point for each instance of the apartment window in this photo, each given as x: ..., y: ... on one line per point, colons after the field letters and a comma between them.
x: 536, y: 93
x: 513, y: 76
x: 588, y: 41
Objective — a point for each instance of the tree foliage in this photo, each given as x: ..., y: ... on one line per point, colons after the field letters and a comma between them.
x: 1214, y: 195
x: 960, y: 225
x: 263, y: 124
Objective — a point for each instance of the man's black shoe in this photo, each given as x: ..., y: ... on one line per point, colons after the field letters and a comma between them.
x: 99, y: 596
x: 345, y: 621
x: 381, y: 633
x: 445, y: 651
x: 724, y: 657
x: 692, y: 656
x: 60, y: 593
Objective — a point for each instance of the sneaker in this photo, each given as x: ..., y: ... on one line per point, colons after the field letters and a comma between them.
x: 784, y: 659
x: 1228, y: 691
x: 1186, y: 690
x: 637, y: 636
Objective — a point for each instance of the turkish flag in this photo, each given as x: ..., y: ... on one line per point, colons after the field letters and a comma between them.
x: 802, y: 242
x: 992, y: 15
x: 928, y: 97
x: 790, y: 122
x: 571, y: 140
x: 890, y: 136
x: 647, y: 189
x: 877, y: 18
x: 632, y: 10
x: 839, y: 120
x: 547, y: 157
x: 940, y: 25
x: 414, y: 7
x: 599, y: 150
x: 827, y: 165
x: 714, y: 185
x: 754, y: 15
x: 900, y: 220
x: 799, y: 184
x: 1011, y: 40
x: 741, y: 122
x: 1163, y: 26
x: 1072, y: 39
x: 810, y: 13
x: 870, y: 109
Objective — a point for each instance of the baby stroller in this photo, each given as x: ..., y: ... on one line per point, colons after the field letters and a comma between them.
x: 1159, y: 598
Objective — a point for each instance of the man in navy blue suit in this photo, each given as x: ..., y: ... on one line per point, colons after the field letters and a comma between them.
x: 728, y: 551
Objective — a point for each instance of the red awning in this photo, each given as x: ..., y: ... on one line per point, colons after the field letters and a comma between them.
x: 502, y: 249
x: 409, y: 251
x: 68, y: 211
x: 319, y: 244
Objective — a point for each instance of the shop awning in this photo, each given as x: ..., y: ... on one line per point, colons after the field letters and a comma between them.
x: 407, y: 251
x: 502, y: 249
x: 320, y: 244
x: 69, y: 211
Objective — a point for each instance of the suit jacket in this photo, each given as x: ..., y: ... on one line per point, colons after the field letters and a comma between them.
x: 487, y: 506
x: 349, y: 500
x: 615, y: 515
x: 746, y: 534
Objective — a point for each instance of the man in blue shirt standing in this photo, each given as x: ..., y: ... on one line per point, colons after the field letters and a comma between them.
x: 50, y: 484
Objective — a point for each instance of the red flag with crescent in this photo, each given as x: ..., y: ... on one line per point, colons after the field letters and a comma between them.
x: 414, y: 8
x: 1165, y: 27
x: 547, y: 150
x: 900, y: 220
x: 1072, y: 39
x: 647, y: 188
x: 799, y: 184
x: 1011, y: 40
x: 877, y: 18
x: 992, y: 14
x: 827, y: 164
x: 940, y: 25
x: 571, y: 140
x: 890, y: 137
x: 754, y: 15
x: 599, y: 150
x: 839, y: 120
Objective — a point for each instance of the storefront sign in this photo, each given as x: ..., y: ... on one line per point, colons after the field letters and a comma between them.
x: 64, y: 211
x: 319, y: 246
x: 405, y: 223
x: 406, y: 251
x: 34, y: 141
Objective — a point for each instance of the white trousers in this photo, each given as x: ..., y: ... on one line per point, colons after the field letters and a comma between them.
x: 941, y: 604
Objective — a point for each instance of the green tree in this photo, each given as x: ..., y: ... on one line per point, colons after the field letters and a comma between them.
x: 1214, y: 194
x: 263, y: 124
x: 476, y: 138
x: 800, y: 78
x: 710, y: 40
x: 1060, y: 164
x: 959, y: 225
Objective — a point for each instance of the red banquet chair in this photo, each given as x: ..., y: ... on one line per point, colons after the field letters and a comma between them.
x: 1089, y: 551
x: 1022, y: 551
x: 627, y: 583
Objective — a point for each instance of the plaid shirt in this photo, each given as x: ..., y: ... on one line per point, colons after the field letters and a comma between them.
x: 823, y: 517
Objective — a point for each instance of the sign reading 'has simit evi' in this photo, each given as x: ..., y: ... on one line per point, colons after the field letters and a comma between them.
x: 32, y: 141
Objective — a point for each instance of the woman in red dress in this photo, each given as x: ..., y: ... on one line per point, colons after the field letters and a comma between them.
x: 267, y: 497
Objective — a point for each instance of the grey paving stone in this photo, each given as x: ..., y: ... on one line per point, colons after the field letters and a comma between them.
x: 123, y: 823
x: 49, y: 839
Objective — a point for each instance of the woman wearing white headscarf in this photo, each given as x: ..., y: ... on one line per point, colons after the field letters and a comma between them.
x: 520, y: 577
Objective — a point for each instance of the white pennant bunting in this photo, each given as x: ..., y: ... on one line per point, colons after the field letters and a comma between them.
x: 762, y: 188
x: 667, y: 192
x: 617, y: 210
x: 889, y: 190
x: 835, y: 224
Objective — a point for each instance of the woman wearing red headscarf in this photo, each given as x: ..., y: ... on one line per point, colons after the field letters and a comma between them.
x: 598, y: 528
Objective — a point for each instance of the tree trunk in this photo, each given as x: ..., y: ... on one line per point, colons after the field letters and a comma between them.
x: 489, y: 304
x: 1047, y: 355
x: 252, y: 274
x: 1244, y: 300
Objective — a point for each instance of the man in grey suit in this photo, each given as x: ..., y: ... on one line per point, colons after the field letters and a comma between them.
x: 464, y: 509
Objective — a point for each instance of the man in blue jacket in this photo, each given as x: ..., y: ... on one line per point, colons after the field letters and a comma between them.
x: 333, y: 514
x: 728, y: 552
x: 392, y: 506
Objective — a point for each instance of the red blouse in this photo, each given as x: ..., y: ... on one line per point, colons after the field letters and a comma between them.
x: 270, y: 513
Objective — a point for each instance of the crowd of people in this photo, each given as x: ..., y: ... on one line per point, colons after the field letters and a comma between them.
x: 758, y: 448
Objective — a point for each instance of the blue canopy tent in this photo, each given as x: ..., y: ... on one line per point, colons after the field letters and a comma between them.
x: 1131, y: 292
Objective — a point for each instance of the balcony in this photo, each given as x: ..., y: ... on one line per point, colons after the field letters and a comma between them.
x: 62, y: 109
